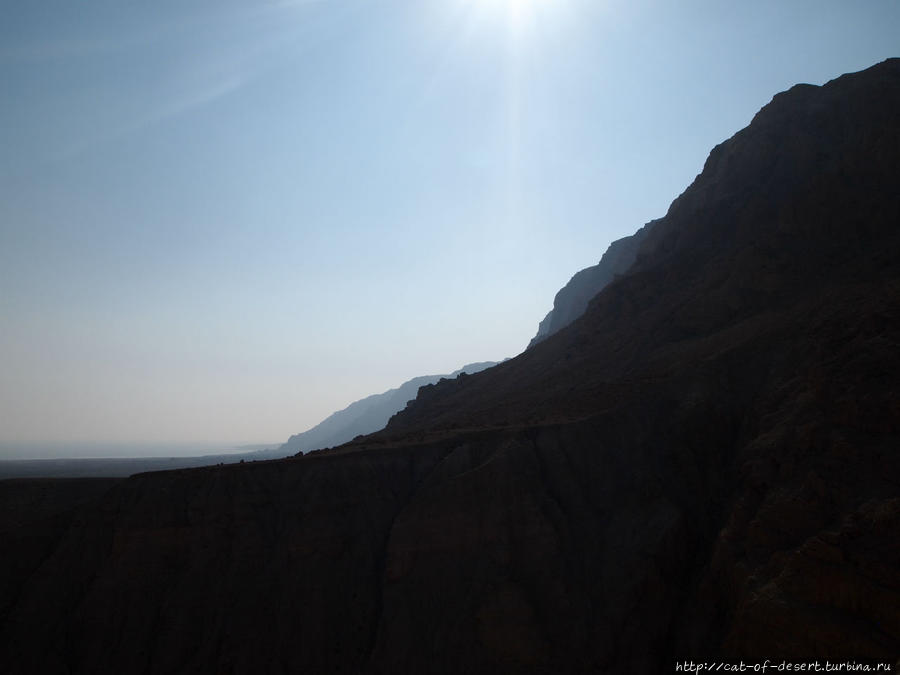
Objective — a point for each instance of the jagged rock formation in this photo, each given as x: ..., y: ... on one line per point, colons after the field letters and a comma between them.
x: 364, y: 416
x: 573, y: 298
x: 703, y: 466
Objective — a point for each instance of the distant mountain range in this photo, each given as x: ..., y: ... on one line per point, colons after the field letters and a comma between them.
x: 364, y: 416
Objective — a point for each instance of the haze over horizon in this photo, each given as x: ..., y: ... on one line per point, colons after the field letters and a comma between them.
x: 221, y: 222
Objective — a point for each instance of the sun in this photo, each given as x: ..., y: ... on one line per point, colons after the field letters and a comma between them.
x: 519, y: 8
x: 519, y: 15
x: 514, y: 5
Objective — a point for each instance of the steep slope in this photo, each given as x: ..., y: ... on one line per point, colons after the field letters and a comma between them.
x: 364, y: 416
x: 573, y: 298
x: 802, y: 199
x: 703, y: 466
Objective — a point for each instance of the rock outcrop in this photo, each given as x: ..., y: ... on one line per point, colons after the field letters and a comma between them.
x: 573, y: 298
x: 703, y: 466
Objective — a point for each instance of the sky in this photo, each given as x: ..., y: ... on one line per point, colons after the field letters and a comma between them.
x: 221, y: 221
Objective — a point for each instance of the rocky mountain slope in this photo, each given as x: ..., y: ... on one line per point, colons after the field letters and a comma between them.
x: 573, y: 298
x: 703, y: 466
x: 364, y: 416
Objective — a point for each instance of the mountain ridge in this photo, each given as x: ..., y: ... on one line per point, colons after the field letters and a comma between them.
x: 760, y: 267
x: 364, y: 416
x: 572, y: 299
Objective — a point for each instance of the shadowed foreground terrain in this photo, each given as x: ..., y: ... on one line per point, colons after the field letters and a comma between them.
x: 704, y: 465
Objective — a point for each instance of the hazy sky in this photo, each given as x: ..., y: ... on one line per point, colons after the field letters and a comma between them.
x: 220, y: 221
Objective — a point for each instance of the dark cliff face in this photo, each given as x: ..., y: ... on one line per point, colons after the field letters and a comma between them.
x: 573, y: 298
x: 704, y: 465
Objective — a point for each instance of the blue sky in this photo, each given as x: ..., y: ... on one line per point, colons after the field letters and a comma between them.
x: 221, y: 221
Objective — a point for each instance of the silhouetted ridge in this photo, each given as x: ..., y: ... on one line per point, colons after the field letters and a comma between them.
x: 364, y: 416
x: 572, y: 299
x: 805, y: 191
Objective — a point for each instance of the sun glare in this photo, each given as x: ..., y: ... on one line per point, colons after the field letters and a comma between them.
x: 518, y: 15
